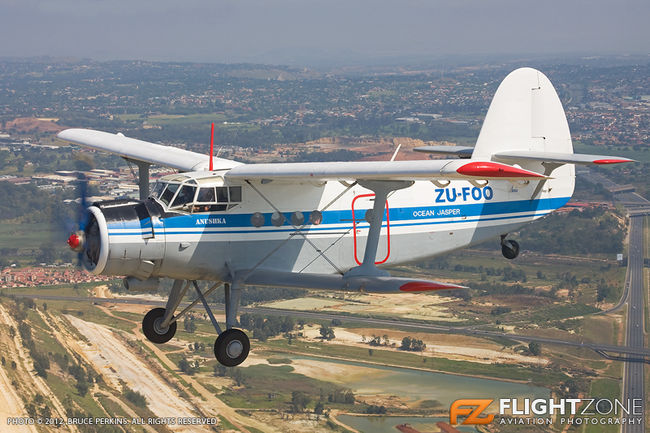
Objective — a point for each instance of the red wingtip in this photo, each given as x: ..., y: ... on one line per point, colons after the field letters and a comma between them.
x: 211, y: 144
x: 494, y: 169
x: 74, y: 241
x: 611, y: 161
x: 424, y: 286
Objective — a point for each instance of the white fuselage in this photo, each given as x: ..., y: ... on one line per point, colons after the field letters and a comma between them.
x: 421, y: 221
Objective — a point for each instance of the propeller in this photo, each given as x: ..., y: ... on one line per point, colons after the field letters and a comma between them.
x: 76, y: 241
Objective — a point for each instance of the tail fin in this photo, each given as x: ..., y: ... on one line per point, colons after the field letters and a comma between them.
x: 526, y: 126
x: 526, y: 115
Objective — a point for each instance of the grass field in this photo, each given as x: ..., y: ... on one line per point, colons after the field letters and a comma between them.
x: 604, y: 388
x: 190, y: 119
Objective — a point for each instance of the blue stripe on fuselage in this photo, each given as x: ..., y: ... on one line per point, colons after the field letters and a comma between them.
x: 398, y: 216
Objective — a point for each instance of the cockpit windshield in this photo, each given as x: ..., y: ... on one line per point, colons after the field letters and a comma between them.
x: 168, y: 193
x: 186, y: 195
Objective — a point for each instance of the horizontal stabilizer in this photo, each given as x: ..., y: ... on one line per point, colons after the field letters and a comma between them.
x: 462, y: 152
x: 338, y: 282
x: 138, y: 150
x: 556, y: 157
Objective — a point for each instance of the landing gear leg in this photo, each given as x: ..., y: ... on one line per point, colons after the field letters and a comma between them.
x: 509, y: 248
x: 232, y: 346
x: 158, y: 324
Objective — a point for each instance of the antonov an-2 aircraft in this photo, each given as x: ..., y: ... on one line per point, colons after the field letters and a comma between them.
x: 326, y: 225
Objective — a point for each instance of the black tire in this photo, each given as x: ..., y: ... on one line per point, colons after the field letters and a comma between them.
x: 226, y: 349
x: 510, y: 249
x: 150, y: 329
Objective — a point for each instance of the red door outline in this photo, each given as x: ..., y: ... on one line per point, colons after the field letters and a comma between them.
x: 354, y: 230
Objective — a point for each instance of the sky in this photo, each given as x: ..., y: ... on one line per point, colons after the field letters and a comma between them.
x: 305, y: 32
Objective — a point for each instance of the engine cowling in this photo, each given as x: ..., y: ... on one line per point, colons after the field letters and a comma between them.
x: 123, y: 237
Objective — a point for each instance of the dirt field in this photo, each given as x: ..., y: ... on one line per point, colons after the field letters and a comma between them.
x: 116, y: 361
x: 481, y: 351
x: 406, y: 305
x: 27, y: 124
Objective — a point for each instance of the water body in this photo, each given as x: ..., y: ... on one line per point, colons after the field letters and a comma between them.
x: 386, y: 424
x: 413, y: 385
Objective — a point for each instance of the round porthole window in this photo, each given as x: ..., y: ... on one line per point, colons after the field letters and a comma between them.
x: 257, y: 219
x: 316, y: 217
x: 297, y: 218
x: 277, y: 219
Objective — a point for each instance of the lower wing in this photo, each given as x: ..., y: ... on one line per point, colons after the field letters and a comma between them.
x: 373, y: 284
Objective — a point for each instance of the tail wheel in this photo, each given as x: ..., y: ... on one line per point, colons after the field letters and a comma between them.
x: 510, y: 249
x: 152, y: 329
x: 231, y: 347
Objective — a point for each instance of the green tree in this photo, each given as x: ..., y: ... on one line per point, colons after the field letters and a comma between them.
x: 189, y: 325
x: 135, y: 397
x: 535, y: 348
x: 327, y: 333
x: 82, y: 387
x: 299, y: 401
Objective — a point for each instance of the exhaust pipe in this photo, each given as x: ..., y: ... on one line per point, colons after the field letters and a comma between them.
x: 135, y: 285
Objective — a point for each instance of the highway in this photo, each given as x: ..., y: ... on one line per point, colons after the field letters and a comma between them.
x: 633, y: 375
x: 633, y: 295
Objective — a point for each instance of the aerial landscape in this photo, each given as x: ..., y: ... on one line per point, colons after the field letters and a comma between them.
x: 322, y: 361
x: 331, y: 233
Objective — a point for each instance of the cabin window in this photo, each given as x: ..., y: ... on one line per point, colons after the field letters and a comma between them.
x: 235, y: 194
x: 206, y: 195
x: 222, y: 194
x: 169, y: 192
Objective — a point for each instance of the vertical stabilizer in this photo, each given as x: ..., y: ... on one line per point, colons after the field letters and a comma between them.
x: 526, y: 115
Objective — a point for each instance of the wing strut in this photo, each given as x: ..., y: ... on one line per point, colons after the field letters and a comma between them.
x: 143, y: 176
x: 381, y: 190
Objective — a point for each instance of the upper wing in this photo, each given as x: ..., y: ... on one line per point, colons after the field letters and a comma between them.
x: 381, y: 170
x: 144, y: 151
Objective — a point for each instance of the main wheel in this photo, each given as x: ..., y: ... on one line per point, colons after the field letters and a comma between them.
x: 231, y: 347
x: 152, y: 329
x: 510, y: 249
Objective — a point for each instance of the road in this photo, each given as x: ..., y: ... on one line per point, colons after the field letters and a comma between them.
x: 633, y: 376
x: 633, y: 373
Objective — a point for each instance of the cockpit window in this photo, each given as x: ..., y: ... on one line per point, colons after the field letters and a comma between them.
x: 184, y: 196
x: 169, y: 192
x: 194, y: 197
x: 157, y: 189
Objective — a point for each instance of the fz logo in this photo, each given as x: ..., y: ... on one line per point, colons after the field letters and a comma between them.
x: 472, y: 408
